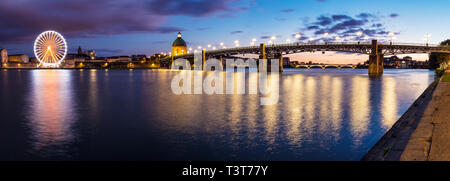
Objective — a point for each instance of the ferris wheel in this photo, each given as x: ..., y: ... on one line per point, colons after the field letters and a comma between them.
x: 50, y: 48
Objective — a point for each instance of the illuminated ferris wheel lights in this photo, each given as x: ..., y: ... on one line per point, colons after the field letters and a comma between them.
x: 56, y: 48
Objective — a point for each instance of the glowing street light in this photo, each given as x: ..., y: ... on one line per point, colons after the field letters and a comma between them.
x: 391, y: 34
x: 190, y: 49
x: 252, y: 43
x: 254, y: 39
x: 199, y: 47
x: 209, y: 45
x: 366, y: 38
x: 337, y: 38
x: 359, y: 34
x: 311, y: 40
x: 297, y: 36
x: 269, y: 42
x: 288, y: 40
x: 214, y: 48
x: 427, y: 38
x: 326, y: 36
x: 236, y: 41
x: 221, y: 43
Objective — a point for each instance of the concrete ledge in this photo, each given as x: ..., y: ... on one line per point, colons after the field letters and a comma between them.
x: 392, y: 145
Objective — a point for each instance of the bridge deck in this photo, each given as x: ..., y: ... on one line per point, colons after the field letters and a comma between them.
x: 352, y: 47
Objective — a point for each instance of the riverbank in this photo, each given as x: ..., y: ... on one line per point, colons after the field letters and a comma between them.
x: 152, y: 68
x: 422, y: 133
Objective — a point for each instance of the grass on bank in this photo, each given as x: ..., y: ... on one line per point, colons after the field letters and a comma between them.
x: 446, y: 78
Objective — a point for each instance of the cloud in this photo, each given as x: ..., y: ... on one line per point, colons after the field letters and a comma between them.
x: 195, y: 8
x: 236, y: 32
x: 288, y: 10
x: 23, y: 20
x: 340, y: 17
x: 394, y: 15
x: 345, y: 26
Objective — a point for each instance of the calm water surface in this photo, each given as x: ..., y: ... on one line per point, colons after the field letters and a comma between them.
x: 133, y: 115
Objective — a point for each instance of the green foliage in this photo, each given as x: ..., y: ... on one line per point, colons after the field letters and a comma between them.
x: 446, y: 78
x: 446, y: 42
x: 439, y: 72
x: 437, y: 58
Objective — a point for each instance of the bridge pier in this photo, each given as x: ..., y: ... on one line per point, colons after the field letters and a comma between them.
x: 280, y: 62
x: 263, y: 55
x: 375, y: 60
x: 203, y: 59
x: 262, y: 51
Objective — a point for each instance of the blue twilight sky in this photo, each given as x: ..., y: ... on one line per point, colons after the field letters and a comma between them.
x: 125, y: 27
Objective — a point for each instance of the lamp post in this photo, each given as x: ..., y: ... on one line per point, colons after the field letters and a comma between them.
x: 366, y: 38
x: 391, y: 34
x: 427, y: 38
x: 359, y: 33
x: 298, y: 36
x: 273, y: 38
x: 337, y: 38
x: 326, y: 36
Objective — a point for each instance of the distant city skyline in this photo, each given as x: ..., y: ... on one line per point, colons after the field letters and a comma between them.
x: 118, y: 27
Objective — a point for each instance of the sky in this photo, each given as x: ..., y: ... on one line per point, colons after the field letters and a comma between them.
x: 126, y: 27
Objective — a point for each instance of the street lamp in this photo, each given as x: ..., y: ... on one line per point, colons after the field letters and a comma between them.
x: 288, y: 40
x: 366, y: 38
x: 254, y: 40
x: 359, y: 33
x: 337, y: 38
x: 391, y: 34
x: 427, y: 37
x: 311, y: 40
x: 298, y: 36
x: 326, y: 36
x: 273, y: 38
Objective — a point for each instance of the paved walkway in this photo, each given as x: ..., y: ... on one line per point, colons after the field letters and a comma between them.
x: 423, y: 131
x: 431, y: 139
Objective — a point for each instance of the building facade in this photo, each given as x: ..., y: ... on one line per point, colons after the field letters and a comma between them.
x: 179, y: 46
x: 3, y: 56
x: 19, y: 58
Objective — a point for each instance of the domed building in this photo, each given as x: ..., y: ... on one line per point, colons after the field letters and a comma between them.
x: 179, y: 46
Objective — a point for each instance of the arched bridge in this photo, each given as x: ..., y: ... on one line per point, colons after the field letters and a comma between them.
x: 324, y: 66
x: 375, y: 50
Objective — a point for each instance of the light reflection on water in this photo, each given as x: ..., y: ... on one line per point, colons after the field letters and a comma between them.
x: 50, y: 113
x: 133, y: 115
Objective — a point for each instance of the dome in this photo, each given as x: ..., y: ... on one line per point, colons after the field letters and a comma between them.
x: 179, y: 41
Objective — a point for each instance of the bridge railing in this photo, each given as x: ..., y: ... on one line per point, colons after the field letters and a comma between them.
x: 386, y: 43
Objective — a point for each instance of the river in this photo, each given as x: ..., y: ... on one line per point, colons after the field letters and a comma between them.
x: 133, y: 115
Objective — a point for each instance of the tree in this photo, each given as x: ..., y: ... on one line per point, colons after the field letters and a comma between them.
x: 446, y: 42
